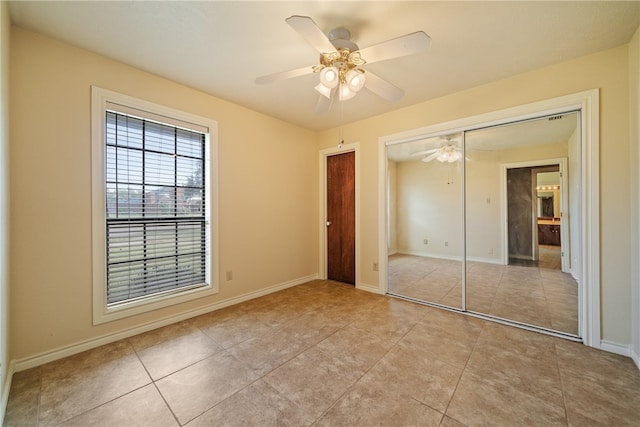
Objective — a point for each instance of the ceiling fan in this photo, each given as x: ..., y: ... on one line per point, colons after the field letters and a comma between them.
x: 449, y: 151
x: 341, y: 60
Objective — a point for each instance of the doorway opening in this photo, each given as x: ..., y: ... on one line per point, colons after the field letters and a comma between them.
x: 537, y: 225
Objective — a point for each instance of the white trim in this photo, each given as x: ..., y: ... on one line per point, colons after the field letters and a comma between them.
x: 383, y: 218
x: 369, y: 288
x: 613, y: 347
x: 6, y: 389
x: 100, y: 98
x: 635, y: 356
x: 322, y: 203
x: 69, y: 350
x: 504, y: 228
x: 588, y: 103
x: 446, y: 257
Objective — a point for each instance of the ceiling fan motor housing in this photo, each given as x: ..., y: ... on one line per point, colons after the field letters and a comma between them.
x: 341, y: 39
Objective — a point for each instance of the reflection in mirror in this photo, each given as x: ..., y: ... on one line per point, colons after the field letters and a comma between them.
x: 548, y: 194
x: 425, y: 228
x: 518, y: 233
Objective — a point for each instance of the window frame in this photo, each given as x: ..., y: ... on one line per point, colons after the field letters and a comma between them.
x: 101, y: 100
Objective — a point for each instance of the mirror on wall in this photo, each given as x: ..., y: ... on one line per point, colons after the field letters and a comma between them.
x: 548, y: 194
x: 425, y: 229
x: 481, y: 221
x: 518, y: 229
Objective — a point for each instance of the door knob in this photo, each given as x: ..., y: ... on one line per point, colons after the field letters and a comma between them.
x: 328, y: 223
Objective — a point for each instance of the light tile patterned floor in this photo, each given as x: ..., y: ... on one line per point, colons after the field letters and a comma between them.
x: 326, y: 354
x: 537, y: 295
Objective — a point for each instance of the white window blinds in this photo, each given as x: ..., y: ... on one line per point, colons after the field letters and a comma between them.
x: 156, y: 229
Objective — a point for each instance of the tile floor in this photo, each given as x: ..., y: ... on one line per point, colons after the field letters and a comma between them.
x: 537, y: 295
x: 326, y: 354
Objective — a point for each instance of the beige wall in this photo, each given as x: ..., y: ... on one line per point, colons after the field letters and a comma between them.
x: 5, y: 27
x: 267, y: 193
x: 608, y: 71
x: 419, y: 185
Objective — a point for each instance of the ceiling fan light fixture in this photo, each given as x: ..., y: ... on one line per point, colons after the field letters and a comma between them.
x: 449, y: 153
x: 345, y: 92
x: 355, y: 79
x: 324, y: 91
x: 340, y: 59
x: 330, y: 77
x: 454, y: 157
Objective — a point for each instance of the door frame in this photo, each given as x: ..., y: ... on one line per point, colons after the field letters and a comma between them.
x: 587, y: 103
x: 564, y: 207
x: 322, y: 203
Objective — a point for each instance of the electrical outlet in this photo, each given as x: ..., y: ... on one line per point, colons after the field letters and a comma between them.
x: 229, y: 275
x: 490, y: 251
x: 375, y: 266
x: 446, y: 243
x: 425, y: 241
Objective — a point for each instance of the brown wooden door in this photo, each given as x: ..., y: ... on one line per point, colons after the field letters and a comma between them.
x: 341, y: 218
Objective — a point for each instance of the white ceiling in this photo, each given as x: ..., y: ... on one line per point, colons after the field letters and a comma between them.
x: 221, y: 47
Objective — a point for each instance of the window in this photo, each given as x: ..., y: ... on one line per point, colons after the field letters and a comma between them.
x: 152, y: 206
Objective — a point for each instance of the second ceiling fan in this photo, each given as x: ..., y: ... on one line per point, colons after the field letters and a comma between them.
x: 341, y: 61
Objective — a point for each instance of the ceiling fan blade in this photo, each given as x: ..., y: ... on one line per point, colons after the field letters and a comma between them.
x: 402, y: 46
x: 311, y: 33
x: 324, y: 104
x: 430, y: 157
x: 382, y: 87
x: 284, y: 75
x: 422, y: 153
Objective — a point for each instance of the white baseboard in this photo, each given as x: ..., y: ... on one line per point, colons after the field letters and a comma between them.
x: 69, y: 350
x: 612, y: 347
x: 427, y: 254
x: 369, y: 288
x: 635, y: 357
x: 448, y: 257
x: 6, y: 388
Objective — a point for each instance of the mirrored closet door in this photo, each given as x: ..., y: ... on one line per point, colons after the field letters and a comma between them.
x: 425, y: 210
x: 485, y: 221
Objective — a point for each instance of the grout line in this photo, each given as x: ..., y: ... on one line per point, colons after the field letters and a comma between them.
x: 373, y: 365
x: 39, y: 396
x: 464, y: 369
x: 564, y: 398
x: 153, y: 382
x: 271, y: 330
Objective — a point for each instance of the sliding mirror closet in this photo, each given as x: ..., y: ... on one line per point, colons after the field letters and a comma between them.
x: 486, y: 221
